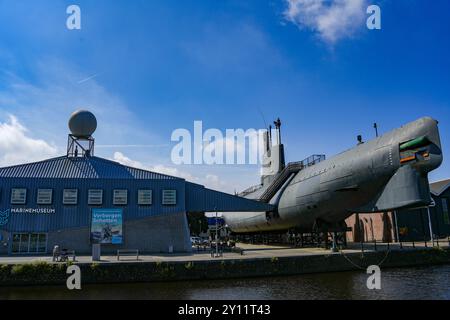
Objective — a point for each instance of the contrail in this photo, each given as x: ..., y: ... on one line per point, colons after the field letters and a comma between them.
x: 88, y: 78
x: 132, y: 145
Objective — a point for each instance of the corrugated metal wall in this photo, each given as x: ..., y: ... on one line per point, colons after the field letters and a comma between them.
x: 70, y: 216
x: 413, y: 224
x: 190, y: 198
x: 200, y: 199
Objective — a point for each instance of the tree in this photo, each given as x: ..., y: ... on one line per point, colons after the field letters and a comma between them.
x: 198, y: 223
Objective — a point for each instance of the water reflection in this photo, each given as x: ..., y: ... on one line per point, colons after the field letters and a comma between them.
x: 410, y: 283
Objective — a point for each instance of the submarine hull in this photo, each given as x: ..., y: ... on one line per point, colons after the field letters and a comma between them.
x: 387, y: 173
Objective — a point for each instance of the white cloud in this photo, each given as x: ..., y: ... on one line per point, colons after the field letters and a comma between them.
x: 16, y: 146
x: 209, y: 180
x: 332, y: 20
x: 121, y: 158
x: 213, y: 181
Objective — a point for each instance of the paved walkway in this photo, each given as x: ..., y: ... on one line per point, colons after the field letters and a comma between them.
x: 250, y: 252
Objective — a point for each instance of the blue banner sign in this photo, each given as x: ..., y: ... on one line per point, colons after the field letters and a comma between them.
x: 106, y: 226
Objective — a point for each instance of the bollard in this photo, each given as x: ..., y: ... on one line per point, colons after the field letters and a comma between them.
x: 388, y: 246
x: 401, y: 245
x: 414, y: 244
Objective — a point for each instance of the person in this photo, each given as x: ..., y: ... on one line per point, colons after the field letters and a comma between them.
x: 55, y: 253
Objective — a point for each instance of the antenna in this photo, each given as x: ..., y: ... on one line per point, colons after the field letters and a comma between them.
x: 269, y: 135
x: 262, y: 115
x: 375, y: 126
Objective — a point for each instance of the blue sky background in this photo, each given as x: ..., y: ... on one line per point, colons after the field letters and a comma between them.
x: 160, y: 65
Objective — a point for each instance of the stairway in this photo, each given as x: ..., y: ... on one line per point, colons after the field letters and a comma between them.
x: 292, y: 167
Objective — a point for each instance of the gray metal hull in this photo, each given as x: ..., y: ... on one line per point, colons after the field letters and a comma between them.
x: 368, y: 178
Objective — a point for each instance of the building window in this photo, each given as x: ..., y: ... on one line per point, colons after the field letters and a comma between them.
x: 144, y: 197
x: 29, y: 243
x: 445, y: 211
x: 44, y: 196
x: 120, y: 197
x: 95, y: 197
x: 169, y: 197
x: 18, y: 196
x: 70, y: 196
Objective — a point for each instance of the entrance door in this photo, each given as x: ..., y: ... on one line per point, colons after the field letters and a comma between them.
x: 27, y: 243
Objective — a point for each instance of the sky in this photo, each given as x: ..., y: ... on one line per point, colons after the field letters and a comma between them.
x: 147, y: 68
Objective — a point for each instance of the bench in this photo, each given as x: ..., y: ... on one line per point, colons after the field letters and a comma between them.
x: 127, y: 253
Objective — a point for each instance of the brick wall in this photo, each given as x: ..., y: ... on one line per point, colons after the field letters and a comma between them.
x: 367, y: 227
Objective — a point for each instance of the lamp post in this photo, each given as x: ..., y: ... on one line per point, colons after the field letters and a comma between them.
x: 216, y: 254
x: 432, y: 204
x: 396, y: 227
x: 217, y: 236
x: 430, y: 226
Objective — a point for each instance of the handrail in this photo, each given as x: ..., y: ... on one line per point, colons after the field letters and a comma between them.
x: 281, y: 177
x: 292, y: 167
x: 250, y: 190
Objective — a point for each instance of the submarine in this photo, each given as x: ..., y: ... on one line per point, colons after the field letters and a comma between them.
x: 317, y: 194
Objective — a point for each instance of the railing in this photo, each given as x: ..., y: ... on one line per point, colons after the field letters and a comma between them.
x: 292, y: 167
x: 314, y: 159
x: 250, y: 190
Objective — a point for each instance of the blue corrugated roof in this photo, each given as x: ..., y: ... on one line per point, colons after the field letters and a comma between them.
x: 79, y: 168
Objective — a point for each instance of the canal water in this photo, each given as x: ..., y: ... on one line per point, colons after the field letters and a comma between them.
x: 406, y: 283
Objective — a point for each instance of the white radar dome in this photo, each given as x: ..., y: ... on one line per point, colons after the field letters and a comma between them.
x: 82, y: 123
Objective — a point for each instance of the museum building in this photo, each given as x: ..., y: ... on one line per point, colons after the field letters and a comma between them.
x: 77, y: 200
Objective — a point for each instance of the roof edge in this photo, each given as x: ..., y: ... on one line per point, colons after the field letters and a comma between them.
x: 162, y: 175
x: 31, y: 163
x: 442, y: 189
x: 134, y: 168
